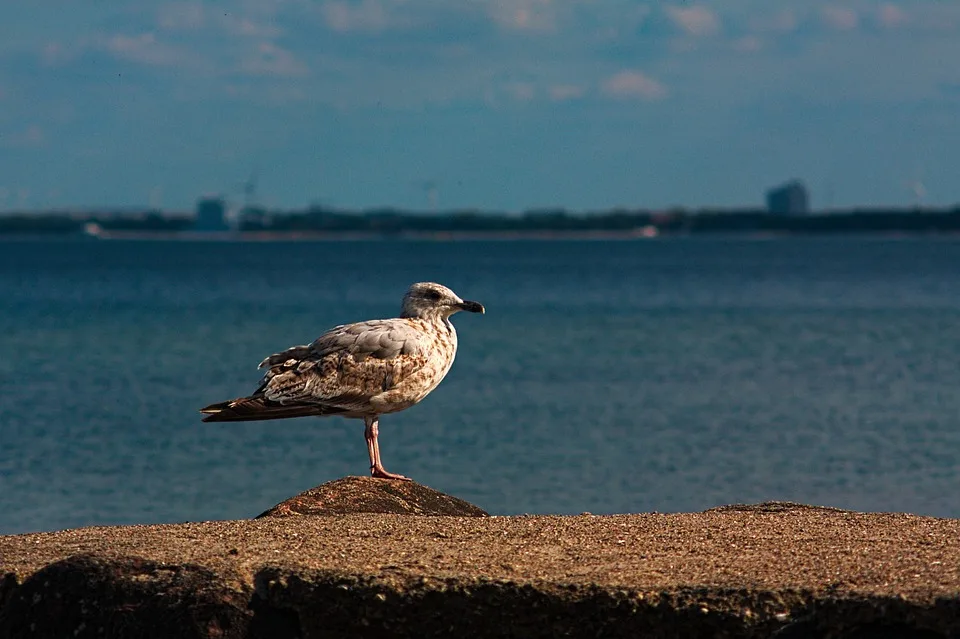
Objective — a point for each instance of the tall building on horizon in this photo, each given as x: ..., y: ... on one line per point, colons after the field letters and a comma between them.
x: 211, y: 214
x: 791, y: 198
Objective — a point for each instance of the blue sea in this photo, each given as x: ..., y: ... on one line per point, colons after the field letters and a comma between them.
x: 607, y: 376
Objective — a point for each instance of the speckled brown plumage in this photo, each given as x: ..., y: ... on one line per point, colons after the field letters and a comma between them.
x: 360, y: 370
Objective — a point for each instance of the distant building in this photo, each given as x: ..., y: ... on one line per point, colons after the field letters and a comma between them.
x: 789, y: 199
x: 211, y: 214
x: 253, y: 217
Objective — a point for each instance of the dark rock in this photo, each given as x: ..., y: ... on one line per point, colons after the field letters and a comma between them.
x: 368, y: 495
x: 92, y: 596
x: 8, y: 582
x: 333, y: 604
x: 773, y: 507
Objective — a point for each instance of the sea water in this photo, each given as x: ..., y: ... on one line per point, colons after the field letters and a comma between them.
x: 669, y: 374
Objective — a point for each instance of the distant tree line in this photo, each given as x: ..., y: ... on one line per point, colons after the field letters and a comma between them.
x: 388, y: 221
x: 396, y: 221
x: 55, y: 223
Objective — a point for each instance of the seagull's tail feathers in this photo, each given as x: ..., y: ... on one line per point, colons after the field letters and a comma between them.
x: 258, y: 407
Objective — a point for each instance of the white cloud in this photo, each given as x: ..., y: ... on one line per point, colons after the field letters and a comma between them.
x: 502, y: 93
x: 890, y: 15
x: 521, y: 91
x: 245, y: 26
x: 185, y: 16
x: 565, y: 92
x: 56, y: 53
x: 694, y: 20
x: 615, y: 22
x: 29, y: 137
x: 633, y: 84
x: 181, y: 16
x: 143, y: 48
x: 523, y: 15
x: 368, y: 15
x: 271, y: 60
x: 748, y: 44
x: 783, y: 21
x: 840, y: 18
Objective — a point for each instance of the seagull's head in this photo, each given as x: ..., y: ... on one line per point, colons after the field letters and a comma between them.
x: 429, y: 300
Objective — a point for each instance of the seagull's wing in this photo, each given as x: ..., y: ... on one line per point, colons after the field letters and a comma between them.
x: 346, y: 366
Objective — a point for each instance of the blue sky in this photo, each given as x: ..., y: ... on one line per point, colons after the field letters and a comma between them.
x: 503, y: 105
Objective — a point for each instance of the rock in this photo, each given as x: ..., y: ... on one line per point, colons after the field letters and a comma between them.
x: 337, y: 605
x: 8, y: 582
x: 94, y: 596
x: 769, y: 570
x: 773, y: 507
x: 368, y: 495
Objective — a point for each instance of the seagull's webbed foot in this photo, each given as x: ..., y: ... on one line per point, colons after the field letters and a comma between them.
x: 381, y: 473
x: 373, y: 448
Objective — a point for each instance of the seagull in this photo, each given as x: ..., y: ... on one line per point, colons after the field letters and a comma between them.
x: 361, y: 370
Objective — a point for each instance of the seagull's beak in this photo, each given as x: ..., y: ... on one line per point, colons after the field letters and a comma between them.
x: 471, y: 307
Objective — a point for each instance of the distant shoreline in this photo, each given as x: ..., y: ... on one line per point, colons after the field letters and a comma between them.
x: 331, y: 225
x: 457, y: 236
x: 364, y: 236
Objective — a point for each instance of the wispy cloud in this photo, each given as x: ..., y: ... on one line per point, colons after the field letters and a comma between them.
x: 782, y: 21
x: 695, y: 20
x: 524, y: 15
x: 748, y: 44
x: 186, y: 16
x: 890, y: 15
x: 521, y: 91
x: 633, y: 84
x: 249, y: 27
x: 565, y: 92
x: 56, y: 53
x: 369, y: 16
x: 840, y: 18
x: 143, y: 49
x: 269, y: 59
x: 181, y: 16
x: 31, y: 136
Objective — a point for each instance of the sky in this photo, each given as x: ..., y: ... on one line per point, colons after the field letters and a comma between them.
x: 491, y: 104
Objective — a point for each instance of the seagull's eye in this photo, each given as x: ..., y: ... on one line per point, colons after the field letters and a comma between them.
x: 433, y: 296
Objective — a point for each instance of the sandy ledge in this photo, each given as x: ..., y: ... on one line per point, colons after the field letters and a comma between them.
x: 747, y: 571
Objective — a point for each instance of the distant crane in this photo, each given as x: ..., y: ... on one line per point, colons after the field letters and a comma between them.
x: 916, y: 187
x: 828, y: 194
x: 156, y: 198
x: 918, y: 190
x: 250, y: 189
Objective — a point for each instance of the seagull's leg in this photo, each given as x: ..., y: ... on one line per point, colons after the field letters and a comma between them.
x: 373, y: 447
x: 368, y: 434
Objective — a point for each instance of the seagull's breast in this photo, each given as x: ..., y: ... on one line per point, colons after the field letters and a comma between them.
x: 439, y: 344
